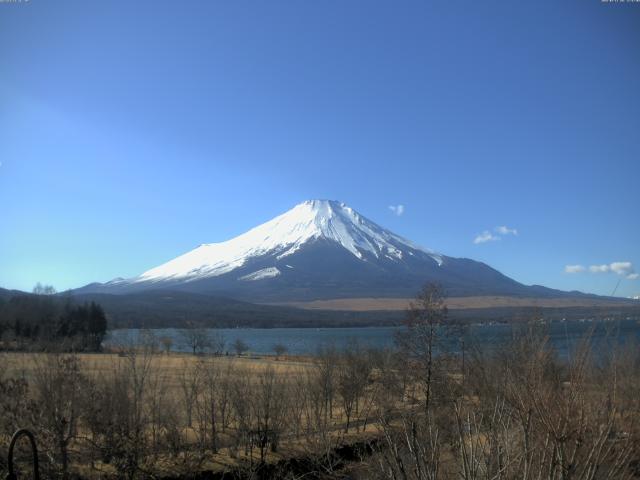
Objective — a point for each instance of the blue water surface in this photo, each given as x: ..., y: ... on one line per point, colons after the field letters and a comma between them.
x: 564, y: 336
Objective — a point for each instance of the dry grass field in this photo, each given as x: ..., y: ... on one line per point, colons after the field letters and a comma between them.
x: 455, y: 303
x: 181, y: 401
x: 171, y: 365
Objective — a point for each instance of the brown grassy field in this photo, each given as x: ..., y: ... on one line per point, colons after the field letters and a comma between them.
x: 453, y: 303
x: 168, y: 376
x: 172, y: 365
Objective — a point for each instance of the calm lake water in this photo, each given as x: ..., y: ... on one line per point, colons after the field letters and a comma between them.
x: 563, y: 335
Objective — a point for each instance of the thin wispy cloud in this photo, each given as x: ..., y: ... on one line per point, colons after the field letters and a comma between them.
x: 498, y: 232
x: 504, y: 230
x: 485, y: 236
x: 599, y: 268
x: 574, y: 268
x: 624, y: 269
x: 397, y: 209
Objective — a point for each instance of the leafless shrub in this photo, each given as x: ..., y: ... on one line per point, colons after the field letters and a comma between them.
x: 190, y: 380
x: 240, y: 346
x: 197, y: 339
x: 17, y: 410
x: 58, y: 385
x: 211, y: 402
x: 119, y: 418
x: 279, y: 349
x: 353, y: 373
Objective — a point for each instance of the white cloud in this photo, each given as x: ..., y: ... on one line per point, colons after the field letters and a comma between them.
x: 574, y: 269
x: 599, y: 268
x: 397, y: 209
x: 624, y: 269
x: 504, y: 230
x: 485, y: 236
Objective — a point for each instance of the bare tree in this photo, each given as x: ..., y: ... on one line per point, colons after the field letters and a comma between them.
x: 213, y: 394
x: 353, y: 376
x: 268, y: 406
x: 239, y: 399
x: 426, y: 328
x: 58, y: 387
x: 217, y: 342
x: 121, y: 419
x: 148, y: 341
x: 279, y: 349
x: 320, y: 436
x: 40, y: 289
x: 224, y: 392
x: 197, y: 339
x: 326, y: 361
x: 189, y: 380
x: 240, y: 347
x: 539, y: 417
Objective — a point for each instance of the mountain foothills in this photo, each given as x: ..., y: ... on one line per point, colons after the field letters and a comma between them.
x: 45, y: 319
x: 320, y: 250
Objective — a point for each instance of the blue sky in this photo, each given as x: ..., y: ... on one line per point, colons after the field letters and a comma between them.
x: 132, y: 131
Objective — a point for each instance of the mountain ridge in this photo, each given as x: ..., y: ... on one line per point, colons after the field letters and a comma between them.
x: 319, y: 250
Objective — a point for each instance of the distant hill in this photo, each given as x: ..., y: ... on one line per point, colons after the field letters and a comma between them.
x: 162, y: 308
x: 177, y: 309
x: 158, y: 308
x: 7, y: 294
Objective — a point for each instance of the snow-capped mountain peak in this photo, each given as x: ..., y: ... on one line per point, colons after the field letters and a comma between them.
x: 284, y: 235
x: 320, y: 249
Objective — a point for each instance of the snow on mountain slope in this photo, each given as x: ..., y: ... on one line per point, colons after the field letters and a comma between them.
x: 283, y: 236
x: 269, y: 272
x: 319, y: 250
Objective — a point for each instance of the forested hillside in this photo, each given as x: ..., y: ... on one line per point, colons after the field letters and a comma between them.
x: 37, y: 320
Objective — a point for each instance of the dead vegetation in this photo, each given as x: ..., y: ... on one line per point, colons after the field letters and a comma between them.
x: 417, y: 412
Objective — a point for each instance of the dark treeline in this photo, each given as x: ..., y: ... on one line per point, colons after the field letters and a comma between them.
x: 43, y: 318
x: 175, y: 309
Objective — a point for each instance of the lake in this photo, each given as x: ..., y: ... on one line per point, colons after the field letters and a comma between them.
x: 303, y: 341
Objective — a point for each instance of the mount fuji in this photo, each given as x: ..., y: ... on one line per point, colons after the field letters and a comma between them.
x: 319, y: 250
